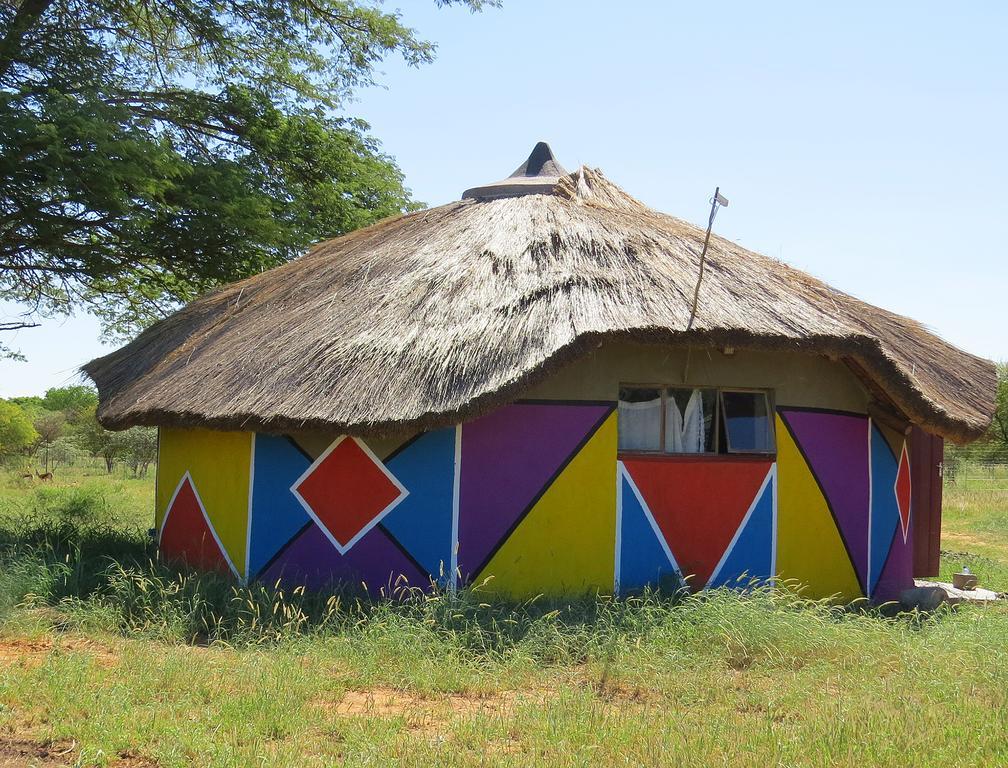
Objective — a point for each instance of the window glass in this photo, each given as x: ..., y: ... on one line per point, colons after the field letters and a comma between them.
x: 746, y: 421
x: 640, y: 419
x: 689, y: 420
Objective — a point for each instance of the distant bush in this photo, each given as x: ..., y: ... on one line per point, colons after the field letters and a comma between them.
x: 82, y: 504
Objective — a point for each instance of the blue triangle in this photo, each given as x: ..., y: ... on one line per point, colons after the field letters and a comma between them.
x: 276, y: 514
x: 751, y: 556
x: 422, y: 522
x: 884, y: 509
x: 643, y: 559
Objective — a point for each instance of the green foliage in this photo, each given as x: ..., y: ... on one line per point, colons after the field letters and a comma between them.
x: 86, y: 504
x: 999, y: 427
x: 50, y: 426
x: 149, y: 152
x: 98, y: 441
x: 140, y: 447
x: 16, y: 430
x: 71, y: 400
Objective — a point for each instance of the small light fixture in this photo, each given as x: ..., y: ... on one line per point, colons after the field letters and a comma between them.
x: 728, y: 351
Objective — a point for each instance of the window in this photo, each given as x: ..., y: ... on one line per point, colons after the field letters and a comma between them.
x: 640, y: 419
x: 664, y: 419
x: 746, y: 419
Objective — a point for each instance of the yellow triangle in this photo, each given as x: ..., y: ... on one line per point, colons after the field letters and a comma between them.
x: 219, y: 464
x: 809, y: 547
x: 567, y: 542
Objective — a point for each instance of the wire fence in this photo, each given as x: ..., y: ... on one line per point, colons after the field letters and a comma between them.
x: 985, y: 472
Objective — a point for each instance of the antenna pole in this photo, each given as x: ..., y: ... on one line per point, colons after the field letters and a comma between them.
x: 715, y: 202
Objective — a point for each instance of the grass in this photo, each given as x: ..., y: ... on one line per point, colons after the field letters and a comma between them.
x: 111, y: 658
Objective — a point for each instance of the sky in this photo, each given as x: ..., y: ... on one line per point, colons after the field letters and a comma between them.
x: 862, y: 142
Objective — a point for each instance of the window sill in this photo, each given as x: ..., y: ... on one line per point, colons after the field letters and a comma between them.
x: 727, y: 458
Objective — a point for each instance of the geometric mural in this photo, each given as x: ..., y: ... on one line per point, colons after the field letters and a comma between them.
x: 276, y: 515
x: 699, y: 504
x: 884, y: 516
x: 564, y: 543
x: 186, y: 534
x: 835, y: 446
x: 347, y: 491
x: 749, y: 559
x: 218, y: 464
x: 509, y: 458
x: 643, y: 557
x: 904, y: 491
x: 375, y: 562
x: 423, y: 522
x: 533, y: 498
x: 811, y: 551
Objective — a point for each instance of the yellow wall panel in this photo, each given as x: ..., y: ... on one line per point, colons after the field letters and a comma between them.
x: 566, y: 543
x: 219, y: 465
x: 809, y: 547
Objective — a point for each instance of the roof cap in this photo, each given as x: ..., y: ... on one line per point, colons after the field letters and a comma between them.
x: 538, y: 175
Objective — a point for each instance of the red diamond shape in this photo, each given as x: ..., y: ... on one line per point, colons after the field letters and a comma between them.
x: 347, y: 490
x: 903, y: 492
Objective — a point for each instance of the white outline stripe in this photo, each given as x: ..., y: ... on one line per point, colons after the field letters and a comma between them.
x: 618, y: 558
x: 248, y: 517
x: 903, y: 453
x: 403, y: 493
x: 738, y: 531
x: 871, y: 510
x: 773, y: 550
x: 206, y: 517
x: 456, y: 484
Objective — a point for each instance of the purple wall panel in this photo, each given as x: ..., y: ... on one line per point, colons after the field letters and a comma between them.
x: 836, y: 446
x: 311, y: 560
x: 508, y: 458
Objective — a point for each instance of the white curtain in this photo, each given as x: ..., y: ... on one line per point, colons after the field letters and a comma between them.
x: 640, y: 425
x: 684, y: 431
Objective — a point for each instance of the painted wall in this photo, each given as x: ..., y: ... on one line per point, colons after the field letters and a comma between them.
x: 535, y: 498
x: 797, y: 379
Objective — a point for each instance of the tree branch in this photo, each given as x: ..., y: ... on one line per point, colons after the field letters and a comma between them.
x: 26, y: 16
x: 17, y: 325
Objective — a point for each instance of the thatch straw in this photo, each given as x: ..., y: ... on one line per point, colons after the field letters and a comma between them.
x: 425, y: 319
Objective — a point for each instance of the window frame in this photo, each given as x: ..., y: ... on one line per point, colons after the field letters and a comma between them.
x: 768, y: 394
x: 661, y: 433
x: 771, y: 427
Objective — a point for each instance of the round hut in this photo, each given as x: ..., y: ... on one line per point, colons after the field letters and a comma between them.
x: 519, y: 390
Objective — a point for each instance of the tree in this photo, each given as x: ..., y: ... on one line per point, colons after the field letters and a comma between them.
x: 152, y: 150
x: 999, y: 427
x: 140, y: 448
x: 98, y: 441
x: 72, y: 401
x: 16, y: 430
x: 50, y: 426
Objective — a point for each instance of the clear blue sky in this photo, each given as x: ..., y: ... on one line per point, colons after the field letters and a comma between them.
x: 863, y: 142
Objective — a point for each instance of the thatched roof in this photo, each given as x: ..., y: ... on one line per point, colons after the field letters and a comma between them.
x: 427, y: 318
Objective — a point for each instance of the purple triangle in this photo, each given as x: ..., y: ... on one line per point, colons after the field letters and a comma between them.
x: 508, y: 458
x: 836, y: 447
x: 312, y: 561
x: 897, y: 573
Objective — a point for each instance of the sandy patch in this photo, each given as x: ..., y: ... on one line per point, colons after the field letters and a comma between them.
x: 31, y: 652
x: 19, y: 753
x: 390, y: 702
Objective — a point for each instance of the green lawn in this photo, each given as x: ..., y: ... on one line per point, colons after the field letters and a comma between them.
x: 124, y: 662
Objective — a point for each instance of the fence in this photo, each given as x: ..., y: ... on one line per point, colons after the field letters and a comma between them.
x: 976, y: 473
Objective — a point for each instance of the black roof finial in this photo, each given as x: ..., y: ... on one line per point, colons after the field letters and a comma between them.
x: 536, y: 176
